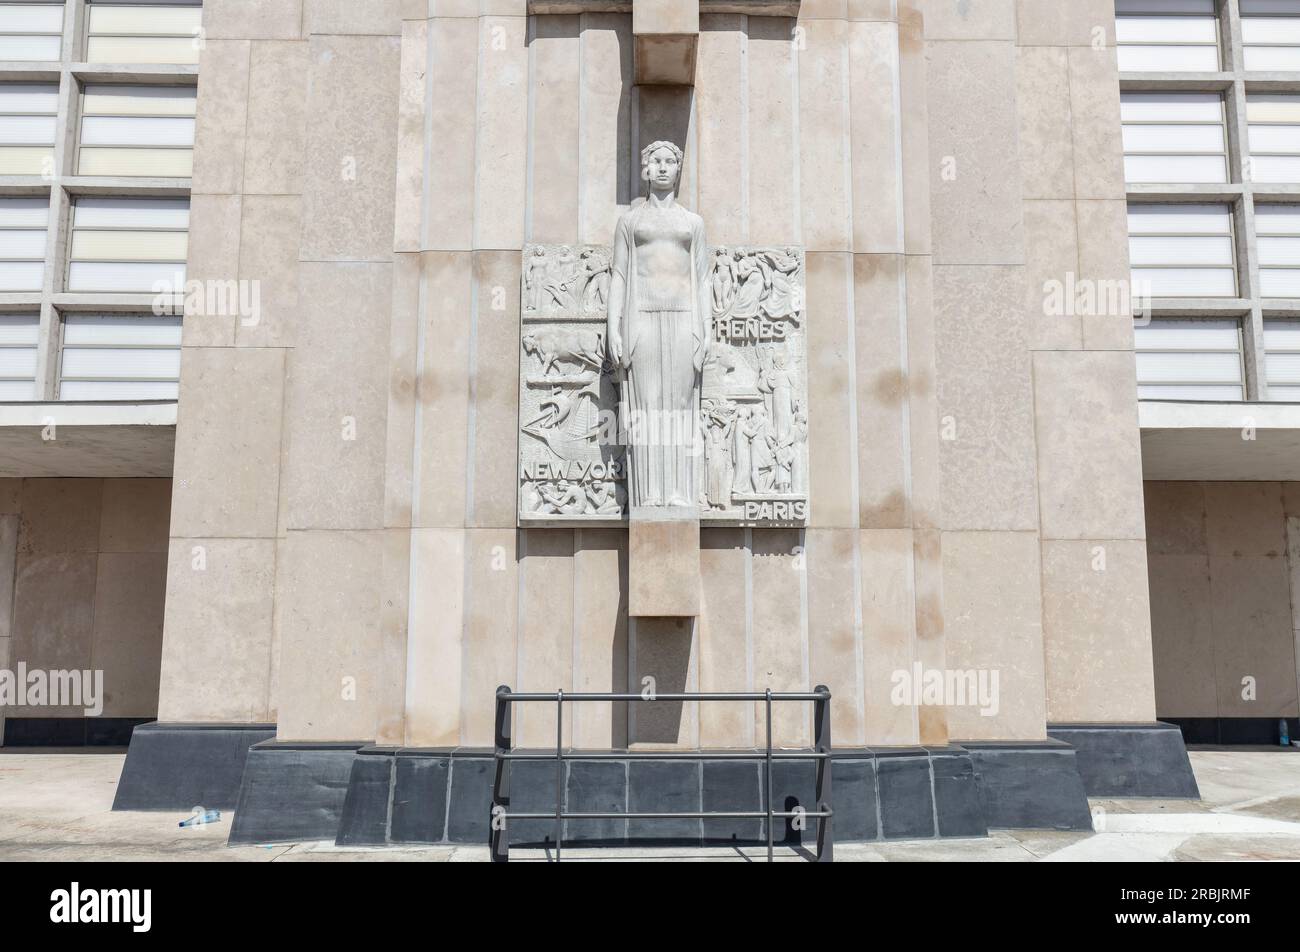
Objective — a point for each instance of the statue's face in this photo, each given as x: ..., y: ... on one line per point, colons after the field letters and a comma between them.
x: 662, y: 168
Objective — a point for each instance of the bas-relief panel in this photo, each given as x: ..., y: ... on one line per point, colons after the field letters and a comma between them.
x: 752, y: 427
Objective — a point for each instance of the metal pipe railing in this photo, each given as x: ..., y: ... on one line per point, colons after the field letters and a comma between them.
x: 505, y: 755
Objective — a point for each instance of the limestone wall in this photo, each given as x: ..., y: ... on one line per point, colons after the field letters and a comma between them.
x: 1224, y: 559
x: 794, y: 134
x: 82, y: 577
x: 347, y: 467
x: 1044, y: 559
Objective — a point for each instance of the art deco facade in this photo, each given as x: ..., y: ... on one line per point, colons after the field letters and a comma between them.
x: 944, y: 203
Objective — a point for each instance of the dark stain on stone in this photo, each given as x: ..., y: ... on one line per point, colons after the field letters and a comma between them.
x: 911, y: 30
x: 929, y: 617
x: 889, y: 513
x: 889, y: 387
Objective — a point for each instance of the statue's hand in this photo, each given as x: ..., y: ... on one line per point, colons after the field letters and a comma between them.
x: 614, y: 349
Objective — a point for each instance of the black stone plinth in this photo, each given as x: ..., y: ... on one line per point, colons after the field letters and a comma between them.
x: 444, y: 796
x: 1130, y: 760
x: 1029, y: 785
x: 294, y: 791
x: 174, y: 766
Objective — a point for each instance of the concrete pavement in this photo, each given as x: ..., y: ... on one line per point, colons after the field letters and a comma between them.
x: 57, y: 805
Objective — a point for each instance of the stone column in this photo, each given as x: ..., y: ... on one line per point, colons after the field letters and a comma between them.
x: 664, y: 563
x: 664, y: 543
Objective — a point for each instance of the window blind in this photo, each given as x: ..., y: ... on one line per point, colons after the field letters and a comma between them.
x: 1277, y: 232
x: 128, y: 244
x: 137, y: 130
x: 1182, y: 250
x: 31, y: 32
x: 143, y: 33
x: 18, y: 337
x: 1173, y: 137
x: 27, y: 121
x: 1270, y: 34
x: 1282, y: 359
x: 1167, y: 35
x: 1189, y: 360
x: 120, y: 357
x: 23, y: 225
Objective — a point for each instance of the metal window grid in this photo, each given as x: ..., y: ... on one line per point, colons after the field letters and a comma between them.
x: 1234, y: 82
x: 71, y: 72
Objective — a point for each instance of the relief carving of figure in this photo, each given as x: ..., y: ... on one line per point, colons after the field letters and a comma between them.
x: 778, y: 380
x: 530, y: 499
x: 595, y: 277
x: 784, y: 458
x: 560, y: 286
x: 763, y: 451
x: 799, y: 462
x: 566, y: 498
x: 604, y: 499
x: 534, y: 277
x: 746, y: 429
x: 659, y: 304
x: 782, y: 299
x: 724, y: 281
x: 719, y: 421
x: 751, y: 283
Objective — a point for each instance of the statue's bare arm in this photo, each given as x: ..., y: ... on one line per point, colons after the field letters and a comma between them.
x: 703, y: 305
x: 617, y: 299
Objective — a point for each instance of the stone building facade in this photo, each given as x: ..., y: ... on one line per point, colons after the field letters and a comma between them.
x: 351, y: 572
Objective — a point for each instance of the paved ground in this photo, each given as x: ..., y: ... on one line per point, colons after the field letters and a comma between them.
x: 56, y: 805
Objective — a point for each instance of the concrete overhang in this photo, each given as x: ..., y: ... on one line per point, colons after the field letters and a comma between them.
x: 1223, y: 441
x: 665, y: 36
x: 87, y: 439
x: 753, y: 8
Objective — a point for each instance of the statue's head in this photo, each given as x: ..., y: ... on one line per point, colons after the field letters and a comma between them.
x: 661, y: 164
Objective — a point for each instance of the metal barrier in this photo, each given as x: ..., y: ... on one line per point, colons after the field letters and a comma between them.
x: 506, y: 754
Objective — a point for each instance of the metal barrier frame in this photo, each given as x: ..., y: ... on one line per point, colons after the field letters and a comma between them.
x: 506, y: 754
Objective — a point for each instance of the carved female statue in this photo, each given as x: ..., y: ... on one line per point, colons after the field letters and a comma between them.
x: 659, y: 299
